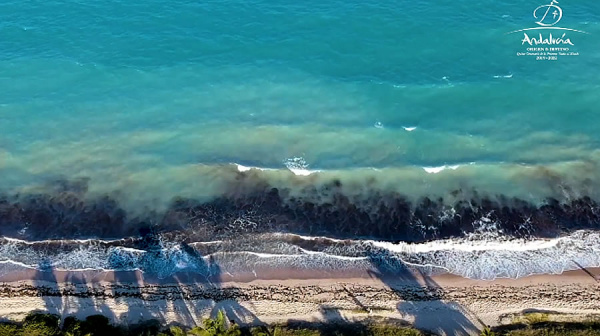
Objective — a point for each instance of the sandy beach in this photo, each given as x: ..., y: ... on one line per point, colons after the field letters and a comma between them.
x: 444, y: 304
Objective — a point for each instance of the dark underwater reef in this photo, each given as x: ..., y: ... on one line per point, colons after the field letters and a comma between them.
x: 66, y: 212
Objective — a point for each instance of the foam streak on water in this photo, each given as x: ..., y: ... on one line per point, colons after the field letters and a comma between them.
x: 466, y: 257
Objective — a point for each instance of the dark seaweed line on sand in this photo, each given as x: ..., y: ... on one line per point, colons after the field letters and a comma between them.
x: 282, y: 293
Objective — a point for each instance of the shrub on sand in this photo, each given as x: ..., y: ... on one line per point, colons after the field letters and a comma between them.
x: 487, y: 332
x: 41, y: 325
x: 176, y: 331
x: 533, y: 318
x: 9, y: 329
x: 216, y: 327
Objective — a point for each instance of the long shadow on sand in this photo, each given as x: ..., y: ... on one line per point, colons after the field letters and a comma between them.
x: 234, y: 311
x: 188, y: 296
x: 421, y: 298
x: 72, y: 296
x: 333, y: 324
x: 144, y: 297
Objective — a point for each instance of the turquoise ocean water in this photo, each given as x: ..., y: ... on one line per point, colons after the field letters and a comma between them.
x: 150, y: 100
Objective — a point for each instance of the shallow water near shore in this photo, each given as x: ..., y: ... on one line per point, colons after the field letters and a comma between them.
x: 166, y: 133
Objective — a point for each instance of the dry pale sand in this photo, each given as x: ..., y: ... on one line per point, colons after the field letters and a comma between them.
x: 445, y: 304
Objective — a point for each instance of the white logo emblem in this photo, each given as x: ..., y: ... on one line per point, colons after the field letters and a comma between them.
x: 547, y: 40
x: 552, y: 9
x: 548, y: 16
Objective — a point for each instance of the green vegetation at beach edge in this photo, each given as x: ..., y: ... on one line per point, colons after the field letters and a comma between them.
x: 40, y: 324
x: 544, y: 324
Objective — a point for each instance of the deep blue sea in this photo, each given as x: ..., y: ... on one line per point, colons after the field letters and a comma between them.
x: 416, y: 128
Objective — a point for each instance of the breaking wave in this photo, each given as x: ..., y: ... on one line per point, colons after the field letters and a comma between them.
x: 307, y: 219
x: 468, y: 257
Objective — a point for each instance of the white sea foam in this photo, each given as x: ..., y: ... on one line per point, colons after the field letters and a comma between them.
x: 511, y: 259
x: 213, y: 242
x: 488, y: 255
x: 303, y: 172
x: 275, y: 255
x: 435, y: 170
x: 469, y: 245
x: 45, y: 241
x: 243, y: 168
x: 20, y: 264
x: 485, y: 254
x: 309, y: 237
x: 333, y: 256
x: 298, y: 166
x: 246, y: 168
x: 409, y: 129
